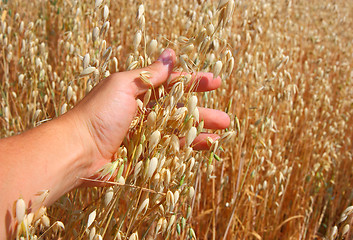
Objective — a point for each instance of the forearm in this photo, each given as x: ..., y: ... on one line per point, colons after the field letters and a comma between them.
x: 50, y: 157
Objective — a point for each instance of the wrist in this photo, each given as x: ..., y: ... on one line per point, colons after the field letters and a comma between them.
x: 67, y: 153
x: 74, y: 129
x: 79, y: 126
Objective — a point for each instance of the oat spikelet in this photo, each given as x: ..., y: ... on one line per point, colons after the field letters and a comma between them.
x: 190, y: 136
x: 91, y: 218
x: 20, y: 209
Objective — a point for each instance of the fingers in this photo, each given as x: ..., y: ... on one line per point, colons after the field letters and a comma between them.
x: 214, y: 119
x: 200, y: 142
x: 158, y: 72
x: 200, y: 82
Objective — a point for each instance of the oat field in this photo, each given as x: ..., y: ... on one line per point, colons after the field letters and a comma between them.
x: 282, y: 170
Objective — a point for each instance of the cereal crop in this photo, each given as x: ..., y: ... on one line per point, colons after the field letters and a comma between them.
x: 282, y: 170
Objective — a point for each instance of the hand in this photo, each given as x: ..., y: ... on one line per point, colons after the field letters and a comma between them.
x: 57, y: 154
x: 105, y: 114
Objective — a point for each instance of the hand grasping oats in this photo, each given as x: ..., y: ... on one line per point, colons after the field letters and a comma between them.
x: 55, y: 155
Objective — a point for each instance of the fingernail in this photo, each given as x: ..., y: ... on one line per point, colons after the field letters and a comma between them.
x: 166, y: 57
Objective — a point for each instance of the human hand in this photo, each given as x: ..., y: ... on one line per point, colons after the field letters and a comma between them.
x: 105, y: 114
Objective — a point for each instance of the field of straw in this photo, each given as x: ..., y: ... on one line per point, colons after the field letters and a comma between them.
x: 282, y: 170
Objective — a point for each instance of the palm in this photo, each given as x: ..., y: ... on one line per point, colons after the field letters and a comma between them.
x: 110, y: 112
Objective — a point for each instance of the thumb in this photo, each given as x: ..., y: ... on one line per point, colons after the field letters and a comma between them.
x: 158, y: 73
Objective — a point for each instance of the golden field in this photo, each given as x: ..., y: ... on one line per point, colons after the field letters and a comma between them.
x: 282, y: 170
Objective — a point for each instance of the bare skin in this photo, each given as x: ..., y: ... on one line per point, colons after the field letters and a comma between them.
x: 55, y: 155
